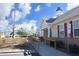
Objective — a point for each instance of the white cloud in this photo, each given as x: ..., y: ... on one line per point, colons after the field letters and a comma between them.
x: 16, y: 15
x: 54, y: 16
x: 37, y: 8
x: 28, y: 26
x: 3, y: 25
x: 71, y: 5
x: 10, y: 28
x: 48, y: 4
x: 26, y: 8
x: 5, y: 9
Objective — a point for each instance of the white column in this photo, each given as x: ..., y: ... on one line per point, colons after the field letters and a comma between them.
x: 48, y: 32
x: 68, y: 29
x: 41, y: 32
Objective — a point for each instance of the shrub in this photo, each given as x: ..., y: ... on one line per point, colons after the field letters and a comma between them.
x: 60, y: 44
x: 22, y: 33
x: 41, y: 39
x: 74, y: 48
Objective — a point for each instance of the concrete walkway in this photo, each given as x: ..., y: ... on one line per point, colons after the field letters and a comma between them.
x: 46, y: 50
x: 6, y: 50
x: 11, y: 52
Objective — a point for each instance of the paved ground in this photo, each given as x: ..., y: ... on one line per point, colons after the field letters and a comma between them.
x: 11, y: 52
x: 19, y: 51
x: 5, y: 50
x: 46, y: 50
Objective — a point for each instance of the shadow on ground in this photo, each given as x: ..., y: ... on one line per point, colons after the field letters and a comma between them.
x: 28, y: 47
x: 21, y: 46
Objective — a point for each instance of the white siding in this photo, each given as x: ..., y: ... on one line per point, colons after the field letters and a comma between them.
x: 54, y: 31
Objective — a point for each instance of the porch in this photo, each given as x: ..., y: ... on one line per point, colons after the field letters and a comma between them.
x: 67, y: 45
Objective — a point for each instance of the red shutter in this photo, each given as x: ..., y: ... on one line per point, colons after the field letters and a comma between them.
x: 58, y: 30
x: 65, y: 34
x: 65, y: 29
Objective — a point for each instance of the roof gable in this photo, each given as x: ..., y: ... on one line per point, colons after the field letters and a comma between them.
x: 50, y: 20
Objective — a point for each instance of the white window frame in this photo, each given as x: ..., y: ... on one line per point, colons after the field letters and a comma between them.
x: 68, y: 29
x: 75, y: 27
x: 61, y: 29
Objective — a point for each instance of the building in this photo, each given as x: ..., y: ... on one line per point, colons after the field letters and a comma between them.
x: 43, y: 29
x: 65, y: 26
x: 59, y: 11
x: 46, y: 24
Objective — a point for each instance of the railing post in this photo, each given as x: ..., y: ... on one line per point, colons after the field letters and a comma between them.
x: 55, y: 44
x: 68, y: 45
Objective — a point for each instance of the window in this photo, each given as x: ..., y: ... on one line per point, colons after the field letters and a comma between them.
x: 50, y: 32
x: 76, y: 32
x: 76, y: 28
x: 69, y: 29
x: 61, y: 31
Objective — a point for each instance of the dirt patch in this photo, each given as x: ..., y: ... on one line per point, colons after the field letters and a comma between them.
x: 7, y: 42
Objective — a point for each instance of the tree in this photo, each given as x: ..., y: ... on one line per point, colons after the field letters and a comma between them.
x: 21, y: 32
x: 11, y: 34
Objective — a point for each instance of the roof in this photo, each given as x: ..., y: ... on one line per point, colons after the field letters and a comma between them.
x: 69, y: 14
x: 58, y: 8
x: 50, y: 20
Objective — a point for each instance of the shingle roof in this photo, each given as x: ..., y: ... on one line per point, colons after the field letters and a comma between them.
x: 58, y: 8
x: 50, y: 20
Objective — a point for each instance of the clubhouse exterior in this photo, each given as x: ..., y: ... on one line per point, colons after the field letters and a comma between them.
x: 65, y: 26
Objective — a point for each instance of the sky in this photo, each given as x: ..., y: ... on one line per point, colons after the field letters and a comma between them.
x: 27, y: 15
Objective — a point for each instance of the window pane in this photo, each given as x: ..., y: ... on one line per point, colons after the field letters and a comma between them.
x: 61, y: 31
x: 76, y: 24
x: 76, y: 32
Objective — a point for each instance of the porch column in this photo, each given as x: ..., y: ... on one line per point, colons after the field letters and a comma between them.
x: 65, y: 34
x: 48, y: 32
x: 71, y: 29
x: 58, y: 30
x: 65, y: 29
x: 41, y: 32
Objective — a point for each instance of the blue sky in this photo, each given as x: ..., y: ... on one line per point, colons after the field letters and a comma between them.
x: 44, y: 10
x: 30, y: 13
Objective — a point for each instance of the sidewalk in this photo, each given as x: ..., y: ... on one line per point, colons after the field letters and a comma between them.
x: 10, y: 50
x: 46, y: 50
